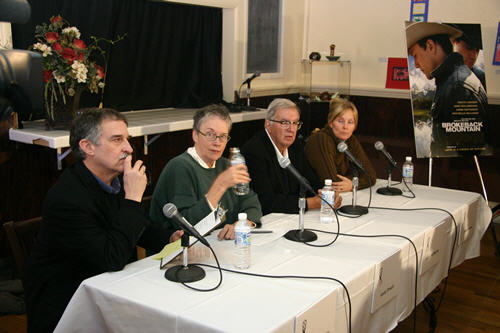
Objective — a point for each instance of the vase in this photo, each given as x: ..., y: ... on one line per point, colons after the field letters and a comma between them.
x: 60, y: 110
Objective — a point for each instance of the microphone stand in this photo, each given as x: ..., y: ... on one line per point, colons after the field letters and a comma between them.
x: 185, y: 273
x: 388, y: 190
x: 249, y: 91
x: 301, y: 235
x: 353, y: 209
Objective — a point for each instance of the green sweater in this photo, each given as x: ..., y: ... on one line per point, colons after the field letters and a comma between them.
x: 184, y: 182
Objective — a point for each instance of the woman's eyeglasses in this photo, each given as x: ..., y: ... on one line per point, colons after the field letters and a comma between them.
x: 212, y: 136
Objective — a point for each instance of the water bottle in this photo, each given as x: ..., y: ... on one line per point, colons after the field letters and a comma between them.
x: 237, y: 158
x: 408, y: 174
x: 326, y: 214
x: 242, y: 242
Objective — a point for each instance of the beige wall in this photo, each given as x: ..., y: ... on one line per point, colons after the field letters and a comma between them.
x: 368, y: 32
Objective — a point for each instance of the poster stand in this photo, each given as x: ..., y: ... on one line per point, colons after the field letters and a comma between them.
x: 478, y: 173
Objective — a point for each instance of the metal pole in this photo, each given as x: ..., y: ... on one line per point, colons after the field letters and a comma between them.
x: 481, y: 178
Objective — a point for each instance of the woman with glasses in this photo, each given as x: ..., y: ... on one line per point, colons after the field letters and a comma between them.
x: 277, y: 188
x: 327, y: 161
x: 200, y: 179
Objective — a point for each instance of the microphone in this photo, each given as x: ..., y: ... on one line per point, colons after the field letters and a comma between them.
x: 342, y: 147
x: 171, y: 212
x: 256, y: 74
x: 286, y: 164
x: 380, y: 146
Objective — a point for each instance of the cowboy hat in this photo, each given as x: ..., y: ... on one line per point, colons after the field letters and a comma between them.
x: 415, y: 31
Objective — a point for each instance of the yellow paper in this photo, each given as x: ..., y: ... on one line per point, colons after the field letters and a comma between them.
x: 168, y: 250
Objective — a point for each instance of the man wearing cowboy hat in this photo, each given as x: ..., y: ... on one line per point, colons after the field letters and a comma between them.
x: 468, y: 45
x: 459, y: 107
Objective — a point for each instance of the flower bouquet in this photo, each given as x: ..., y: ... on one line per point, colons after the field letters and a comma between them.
x: 69, y: 68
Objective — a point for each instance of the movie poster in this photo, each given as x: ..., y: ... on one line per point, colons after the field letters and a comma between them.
x: 448, y: 89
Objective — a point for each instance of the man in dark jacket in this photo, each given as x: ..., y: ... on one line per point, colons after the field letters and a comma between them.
x: 277, y: 188
x: 459, y: 109
x: 92, y: 220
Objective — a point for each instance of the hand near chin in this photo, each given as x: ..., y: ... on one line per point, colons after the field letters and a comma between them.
x: 134, y: 179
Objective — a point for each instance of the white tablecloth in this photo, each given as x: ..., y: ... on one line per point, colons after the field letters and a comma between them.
x: 140, y: 123
x: 139, y: 298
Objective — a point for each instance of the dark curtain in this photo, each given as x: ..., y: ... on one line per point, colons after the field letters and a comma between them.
x: 170, y: 57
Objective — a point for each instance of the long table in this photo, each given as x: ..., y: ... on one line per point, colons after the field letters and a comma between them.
x: 140, y: 123
x: 379, y: 274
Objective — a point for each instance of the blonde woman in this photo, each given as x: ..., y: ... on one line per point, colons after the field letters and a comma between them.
x: 321, y: 148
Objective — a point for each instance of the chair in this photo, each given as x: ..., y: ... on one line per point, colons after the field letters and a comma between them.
x: 495, y: 219
x: 21, y: 236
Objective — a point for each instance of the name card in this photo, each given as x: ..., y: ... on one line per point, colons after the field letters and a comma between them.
x: 465, y: 230
x: 319, y: 317
x: 386, y: 281
x: 434, y: 244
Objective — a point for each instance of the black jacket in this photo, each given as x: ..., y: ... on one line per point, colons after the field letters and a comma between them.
x: 459, y: 110
x: 277, y: 189
x: 85, y: 231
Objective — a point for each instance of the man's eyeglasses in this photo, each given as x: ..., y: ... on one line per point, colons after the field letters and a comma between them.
x: 286, y: 124
x: 211, y: 136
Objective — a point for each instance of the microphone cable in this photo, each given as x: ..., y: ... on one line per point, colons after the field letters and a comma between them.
x: 369, y: 199
x: 416, y: 263
x: 452, y: 248
x: 413, y: 196
x: 290, y: 277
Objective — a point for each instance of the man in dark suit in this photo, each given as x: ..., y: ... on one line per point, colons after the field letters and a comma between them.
x: 277, y: 188
x: 92, y: 219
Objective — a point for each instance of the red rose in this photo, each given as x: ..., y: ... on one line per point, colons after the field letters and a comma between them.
x: 52, y: 37
x: 47, y: 75
x: 79, y: 44
x: 100, y: 71
x: 79, y: 57
x: 69, y: 55
x: 57, y: 47
x: 55, y: 19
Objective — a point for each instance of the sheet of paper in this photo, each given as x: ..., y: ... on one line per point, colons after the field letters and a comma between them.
x: 171, y: 250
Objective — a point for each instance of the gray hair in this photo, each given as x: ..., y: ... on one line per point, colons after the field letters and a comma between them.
x: 87, y: 125
x: 278, y: 104
x: 212, y: 110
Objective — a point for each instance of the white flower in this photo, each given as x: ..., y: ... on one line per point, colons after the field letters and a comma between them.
x: 70, y: 30
x: 100, y: 85
x: 80, y: 71
x: 46, y: 50
x: 71, y: 91
x: 59, y: 78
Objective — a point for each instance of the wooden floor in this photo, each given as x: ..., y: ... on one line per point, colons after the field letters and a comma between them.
x: 471, y: 303
x: 472, y: 299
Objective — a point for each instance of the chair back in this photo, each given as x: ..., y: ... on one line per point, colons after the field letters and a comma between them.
x: 21, y: 236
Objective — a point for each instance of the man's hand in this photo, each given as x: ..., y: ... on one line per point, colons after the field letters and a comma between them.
x: 176, y: 235
x: 314, y: 202
x: 227, y: 232
x: 134, y: 179
x: 345, y: 185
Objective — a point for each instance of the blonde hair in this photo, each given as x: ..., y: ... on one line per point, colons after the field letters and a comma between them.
x: 339, y: 106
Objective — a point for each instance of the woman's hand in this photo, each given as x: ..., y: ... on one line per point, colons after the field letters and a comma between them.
x: 345, y: 185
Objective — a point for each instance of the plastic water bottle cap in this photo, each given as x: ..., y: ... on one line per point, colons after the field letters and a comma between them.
x: 408, y: 158
x: 242, y: 216
x: 328, y: 182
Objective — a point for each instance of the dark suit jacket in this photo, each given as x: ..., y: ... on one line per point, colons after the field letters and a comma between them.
x: 85, y: 231
x: 277, y: 189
